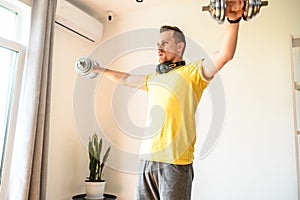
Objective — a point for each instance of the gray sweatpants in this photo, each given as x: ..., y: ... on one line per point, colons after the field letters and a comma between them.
x: 164, y: 181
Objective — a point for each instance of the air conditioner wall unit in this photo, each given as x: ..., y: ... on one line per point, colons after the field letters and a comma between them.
x: 72, y: 18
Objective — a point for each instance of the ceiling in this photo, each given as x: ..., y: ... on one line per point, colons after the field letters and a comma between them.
x: 99, y: 8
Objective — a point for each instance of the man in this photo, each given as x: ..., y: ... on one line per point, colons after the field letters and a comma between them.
x: 176, y: 90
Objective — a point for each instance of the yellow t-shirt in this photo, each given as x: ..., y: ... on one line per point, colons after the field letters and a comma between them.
x: 173, y: 100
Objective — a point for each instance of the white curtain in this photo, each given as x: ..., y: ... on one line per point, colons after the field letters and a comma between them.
x: 28, y: 175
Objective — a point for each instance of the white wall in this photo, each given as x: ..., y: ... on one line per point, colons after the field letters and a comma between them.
x: 255, y: 157
x: 67, y: 156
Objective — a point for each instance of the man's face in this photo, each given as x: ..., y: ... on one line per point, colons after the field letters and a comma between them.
x: 168, y: 49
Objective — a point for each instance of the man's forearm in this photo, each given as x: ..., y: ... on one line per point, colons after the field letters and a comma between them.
x: 229, y: 42
x: 123, y: 78
x: 225, y: 53
x: 113, y: 75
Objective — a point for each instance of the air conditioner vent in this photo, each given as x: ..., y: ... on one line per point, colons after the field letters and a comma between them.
x: 75, y: 20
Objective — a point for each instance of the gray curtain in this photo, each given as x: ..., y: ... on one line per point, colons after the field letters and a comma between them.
x: 28, y: 176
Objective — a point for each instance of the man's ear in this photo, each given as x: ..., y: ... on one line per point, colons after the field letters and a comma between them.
x: 180, y: 46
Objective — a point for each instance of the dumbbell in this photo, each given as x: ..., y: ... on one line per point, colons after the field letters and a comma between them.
x: 217, y: 9
x: 84, y: 66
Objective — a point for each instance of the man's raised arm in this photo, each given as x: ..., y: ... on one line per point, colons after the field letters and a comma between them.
x: 215, y: 62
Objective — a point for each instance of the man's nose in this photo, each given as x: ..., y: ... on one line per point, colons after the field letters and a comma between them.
x: 159, y: 46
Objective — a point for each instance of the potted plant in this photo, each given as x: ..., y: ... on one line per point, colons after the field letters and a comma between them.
x: 95, y: 184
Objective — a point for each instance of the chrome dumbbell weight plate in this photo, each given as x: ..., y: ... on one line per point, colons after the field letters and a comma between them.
x: 246, y: 10
x: 252, y: 4
x: 245, y: 13
x: 218, y: 10
x: 252, y: 8
x: 222, y: 11
x: 213, y: 8
x: 255, y: 10
x: 84, y: 66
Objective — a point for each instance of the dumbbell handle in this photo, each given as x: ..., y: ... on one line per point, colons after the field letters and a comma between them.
x: 207, y: 8
x: 264, y: 3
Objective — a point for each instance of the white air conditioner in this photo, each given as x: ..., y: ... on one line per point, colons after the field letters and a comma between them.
x: 73, y: 19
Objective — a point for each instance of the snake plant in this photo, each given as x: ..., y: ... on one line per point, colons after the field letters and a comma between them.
x: 96, y: 165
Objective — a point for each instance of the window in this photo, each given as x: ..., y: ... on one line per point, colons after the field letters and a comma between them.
x: 8, y: 20
x: 8, y: 57
x: 14, y: 19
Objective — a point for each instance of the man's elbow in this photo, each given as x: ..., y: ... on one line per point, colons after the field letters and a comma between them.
x: 227, y: 57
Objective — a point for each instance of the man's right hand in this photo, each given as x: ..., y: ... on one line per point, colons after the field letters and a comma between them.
x: 234, y: 9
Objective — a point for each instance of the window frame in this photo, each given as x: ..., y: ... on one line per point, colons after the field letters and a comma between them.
x: 21, y: 50
x: 19, y: 46
x: 23, y: 18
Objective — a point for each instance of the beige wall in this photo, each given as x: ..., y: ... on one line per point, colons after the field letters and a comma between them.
x: 254, y: 158
x: 67, y: 157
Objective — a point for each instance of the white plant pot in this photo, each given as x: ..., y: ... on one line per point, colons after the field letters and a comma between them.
x: 94, y: 190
